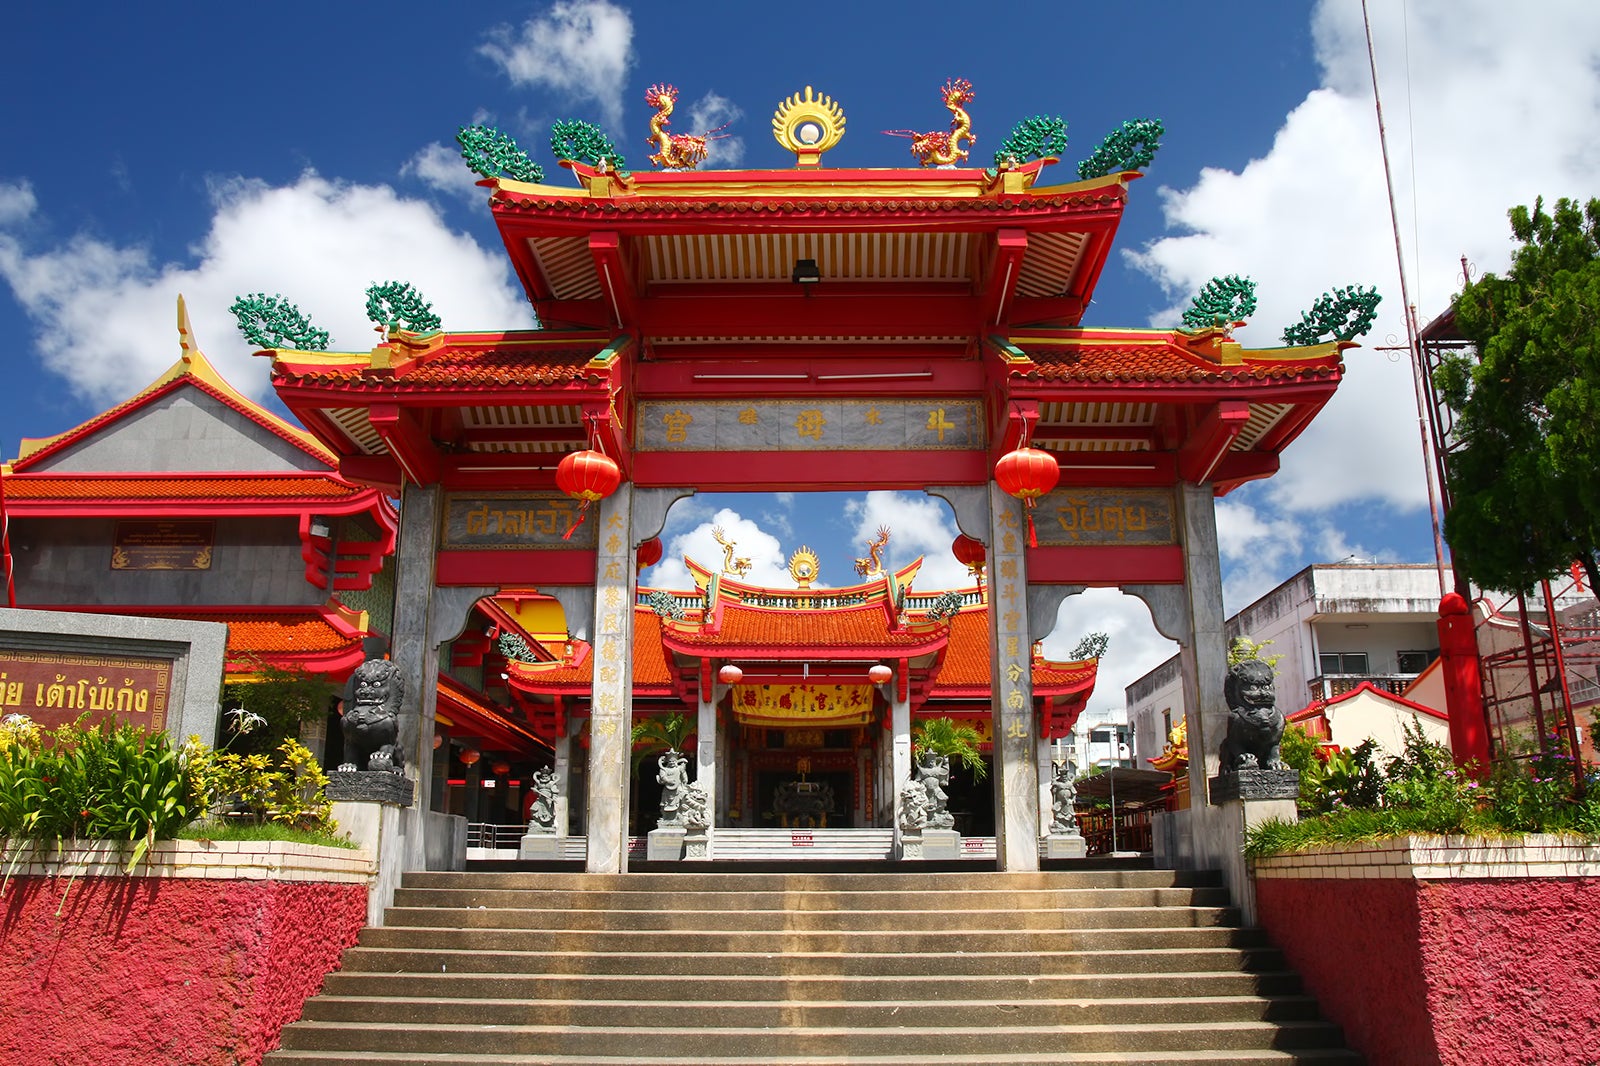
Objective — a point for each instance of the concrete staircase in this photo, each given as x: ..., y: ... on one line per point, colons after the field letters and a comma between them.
x: 1097, y: 966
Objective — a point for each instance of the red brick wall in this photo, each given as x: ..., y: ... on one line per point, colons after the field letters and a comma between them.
x: 1460, y: 972
x: 142, y: 970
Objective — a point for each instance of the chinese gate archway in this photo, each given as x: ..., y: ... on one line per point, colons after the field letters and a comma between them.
x: 812, y: 329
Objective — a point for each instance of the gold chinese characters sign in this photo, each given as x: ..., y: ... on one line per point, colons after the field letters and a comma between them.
x: 835, y: 705
x: 823, y: 424
x: 487, y: 521
x: 55, y: 689
x: 178, y: 545
x: 1071, y: 517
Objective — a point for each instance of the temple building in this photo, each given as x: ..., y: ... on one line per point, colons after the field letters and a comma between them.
x: 189, y: 500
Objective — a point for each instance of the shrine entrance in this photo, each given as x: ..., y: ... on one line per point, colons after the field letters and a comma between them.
x: 799, y: 330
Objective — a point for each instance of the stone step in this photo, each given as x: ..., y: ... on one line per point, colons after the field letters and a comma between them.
x: 1114, y: 959
x: 1208, y: 930
x: 859, y: 898
x: 604, y: 987
x: 695, y: 1044
x: 896, y: 922
x: 1194, y: 1057
x: 929, y: 885
x: 894, y: 1013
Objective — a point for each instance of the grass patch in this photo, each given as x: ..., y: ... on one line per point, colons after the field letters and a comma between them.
x: 231, y: 830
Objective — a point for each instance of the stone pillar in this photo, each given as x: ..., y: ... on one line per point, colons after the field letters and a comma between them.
x: 611, y: 706
x: 899, y: 755
x: 1047, y: 806
x: 1203, y: 660
x: 415, y: 654
x: 1016, y: 776
x: 562, y: 749
x: 705, y: 773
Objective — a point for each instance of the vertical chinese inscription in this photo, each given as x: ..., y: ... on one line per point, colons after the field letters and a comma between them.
x: 1011, y: 707
x: 611, y: 694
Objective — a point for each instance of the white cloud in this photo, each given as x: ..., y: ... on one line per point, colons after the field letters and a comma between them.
x: 1502, y: 106
x: 712, y: 112
x: 1135, y: 649
x: 580, y: 49
x: 103, y: 313
x: 768, y: 561
x: 441, y: 167
x: 17, y: 202
x: 919, y: 525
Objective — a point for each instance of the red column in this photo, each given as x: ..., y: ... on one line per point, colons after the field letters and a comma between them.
x: 1463, y: 682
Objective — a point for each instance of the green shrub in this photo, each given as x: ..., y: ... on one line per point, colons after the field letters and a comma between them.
x: 104, y: 782
x: 251, y: 789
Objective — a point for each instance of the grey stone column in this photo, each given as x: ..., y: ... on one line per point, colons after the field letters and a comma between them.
x: 900, y: 754
x: 413, y: 651
x: 562, y: 758
x: 1016, y: 775
x: 611, y: 702
x: 1203, y: 658
x: 705, y: 774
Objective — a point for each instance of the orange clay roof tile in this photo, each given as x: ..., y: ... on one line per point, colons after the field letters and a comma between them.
x: 189, y: 487
x: 462, y: 367
x: 1162, y: 363
x: 866, y: 626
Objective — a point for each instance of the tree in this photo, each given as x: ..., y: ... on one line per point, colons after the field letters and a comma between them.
x: 1525, y: 496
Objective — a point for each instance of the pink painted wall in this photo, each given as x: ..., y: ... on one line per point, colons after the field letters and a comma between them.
x: 143, y: 970
x: 1459, y: 972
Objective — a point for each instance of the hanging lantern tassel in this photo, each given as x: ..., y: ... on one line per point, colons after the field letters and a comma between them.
x: 1027, y: 474
x: 587, y: 476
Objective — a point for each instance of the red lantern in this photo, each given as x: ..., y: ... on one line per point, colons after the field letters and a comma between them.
x: 970, y: 553
x: 649, y: 553
x: 730, y: 675
x: 587, y: 476
x: 470, y: 756
x: 1027, y: 474
x: 880, y: 674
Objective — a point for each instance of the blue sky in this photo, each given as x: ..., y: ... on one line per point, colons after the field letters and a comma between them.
x: 307, y: 149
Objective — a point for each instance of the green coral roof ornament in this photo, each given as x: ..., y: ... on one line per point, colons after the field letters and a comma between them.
x: 1343, y: 314
x: 1221, y: 302
x: 583, y: 142
x: 1131, y: 146
x: 515, y: 648
x: 396, y: 305
x: 492, y: 154
x: 273, y: 322
x: 1039, y: 137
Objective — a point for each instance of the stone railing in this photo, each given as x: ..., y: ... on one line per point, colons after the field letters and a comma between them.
x: 278, y: 860
x: 1327, y: 686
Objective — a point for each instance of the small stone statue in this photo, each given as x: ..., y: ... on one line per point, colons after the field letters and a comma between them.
x: 372, y: 723
x: 1064, y: 800
x: 542, y: 812
x: 933, y: 774
x: 673, y: 777
x: 695, y: 817
x: 1255, y: 728
x: 913, y: 807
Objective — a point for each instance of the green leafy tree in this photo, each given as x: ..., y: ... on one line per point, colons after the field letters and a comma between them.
x: 948, y: 737
x: 1525, y: 497
x: 1092, y: 646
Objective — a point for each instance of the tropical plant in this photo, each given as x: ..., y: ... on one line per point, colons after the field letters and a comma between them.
x: 1243, y: 649
x: 250, y: 788
x: 271, y: 706
x: 957, y: 740
x: 659, y: 733
x: 108, y: 781
x: 1524, y: 499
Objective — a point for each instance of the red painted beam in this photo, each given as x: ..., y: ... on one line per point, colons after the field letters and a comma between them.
x: 907, y: 377
x: 811, y: 312
x: 379, y: 471
x: 1107, y: 565
x: 410, y: 445
x: 1210, y: 439
x: 1240, y: 467
x: 809, y: 471
x: 1000, y: 276
x: 515, y: 568
x: 616, y: 279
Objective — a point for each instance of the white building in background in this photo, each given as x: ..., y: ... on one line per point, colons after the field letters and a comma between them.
x: 1335, y: 625
x: 1099, y: 738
